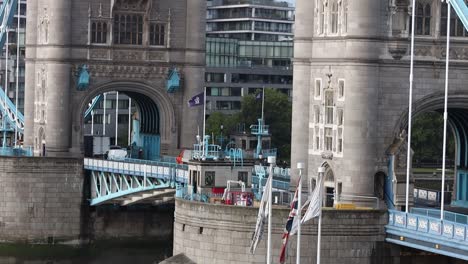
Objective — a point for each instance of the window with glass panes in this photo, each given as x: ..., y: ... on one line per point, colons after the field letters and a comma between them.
x: 329, y: 107
x: 157, y: 34
x: 334, y: 17
x: 128, y: 29
x: 456, y: 26
x: 99, y: 32
x: 423, y: 18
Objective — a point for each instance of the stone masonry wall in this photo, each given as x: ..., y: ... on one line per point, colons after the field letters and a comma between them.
x: 208, y: 233
x: 40, y: 199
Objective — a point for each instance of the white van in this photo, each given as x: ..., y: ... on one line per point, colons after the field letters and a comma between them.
x: 116, y: 153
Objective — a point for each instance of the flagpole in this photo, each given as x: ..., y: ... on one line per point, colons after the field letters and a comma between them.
x: 104, y: 116
x: 117, y: 118
x: 321, y: 171
x: 272, y: 161
x: 129, y: 121
x: 442, y: 201
x: 17, y: 72
x: 204, y: 121
x: 410, y: 110
x: 300, y: 166
x: 263, y: 103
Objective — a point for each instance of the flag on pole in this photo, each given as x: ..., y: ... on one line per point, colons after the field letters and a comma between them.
x: 315, y: 202
x: 262, y: 217
x: 197, y: 100
x: 259, y: 96
x: 291, y: 225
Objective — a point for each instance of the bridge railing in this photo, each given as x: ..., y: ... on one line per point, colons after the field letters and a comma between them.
x: 431, y: 196
x: 449, y: 216
x: 427, y: 224
x: 164, y: 171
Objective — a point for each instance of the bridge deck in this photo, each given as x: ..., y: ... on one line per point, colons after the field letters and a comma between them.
x: 421, y: 229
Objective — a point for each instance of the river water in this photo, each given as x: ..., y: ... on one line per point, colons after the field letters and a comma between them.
x: 97, y: 254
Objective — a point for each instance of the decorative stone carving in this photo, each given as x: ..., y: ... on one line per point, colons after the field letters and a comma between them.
x: 132, y: 5
x: 397, y: 50
x: 157, y: 56
x: 127, y: 55
x: 44, y: 21
x: 127, y: 71
x: 327, y: 155
x: 99, y: 54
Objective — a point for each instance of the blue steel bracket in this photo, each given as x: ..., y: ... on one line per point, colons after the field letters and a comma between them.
x: 173, y: 81
x: 462, y: 11
x: 83, y: 78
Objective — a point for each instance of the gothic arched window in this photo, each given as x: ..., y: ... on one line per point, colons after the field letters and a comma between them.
x: 329, y: 104
x: 128, y: 29
x: 423, y: 19
x: 157, y: 34
x: 322, y: 18
x: 334, y: 17
x: 99, y: 32
x: 456, y: 27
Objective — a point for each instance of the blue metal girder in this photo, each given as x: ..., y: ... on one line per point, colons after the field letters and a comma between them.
x: 428, y: 233
x: 462, y: 11
x: 93, y: 104
x: 110, y: 186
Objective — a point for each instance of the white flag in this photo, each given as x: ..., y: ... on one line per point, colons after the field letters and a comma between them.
x: 315, y: 202
x: 262, y: 217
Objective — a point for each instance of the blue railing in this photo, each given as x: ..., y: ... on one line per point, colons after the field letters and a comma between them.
x: 256, y: 129
x: 157, y: 163
x: 16, y: 152
x: 449, y: 216
x: 277, y: 184
x: 165, y: 171
x: 423, y: 229
x: 430, y: 196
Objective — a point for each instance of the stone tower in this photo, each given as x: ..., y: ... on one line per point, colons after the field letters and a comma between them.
x: 351, y: 85
x: 336, y: 85
x: 64, y: 35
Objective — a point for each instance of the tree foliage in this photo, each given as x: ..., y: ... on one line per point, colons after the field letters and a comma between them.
x: 277, y: 113
x: 427, y: 138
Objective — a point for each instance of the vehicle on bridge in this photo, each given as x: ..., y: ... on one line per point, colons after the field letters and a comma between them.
x: 116, y: 153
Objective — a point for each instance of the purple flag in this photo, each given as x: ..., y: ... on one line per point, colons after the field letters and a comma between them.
x: 197, y: 100
x: 259, y: 96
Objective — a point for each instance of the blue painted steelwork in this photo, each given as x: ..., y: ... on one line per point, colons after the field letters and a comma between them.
x: 92, y: 105
x: 10, y: 110
x: 83, y: 78
x: 16, y: 152
x: 462, y: 188
x: 426, y: 197
x: 260, y: 130
x: 428, y: 233
x: 113, y: 181
x: 151, y: 146
x: 281, y: 179
x: 210, y: 152
x: 7, y: 13
x: 462, y: 11
x: 173, y: 81
x: 236, y: 155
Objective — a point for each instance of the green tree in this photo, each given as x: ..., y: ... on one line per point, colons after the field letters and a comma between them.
x: 218, y: 119
x: 427, y: 138
x: 278, y: 112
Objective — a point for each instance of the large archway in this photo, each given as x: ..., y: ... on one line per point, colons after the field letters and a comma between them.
x: 156, y: 114
x: 457, y: 126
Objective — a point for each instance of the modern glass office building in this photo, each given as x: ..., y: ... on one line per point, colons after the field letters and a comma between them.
x: 241, y: 59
